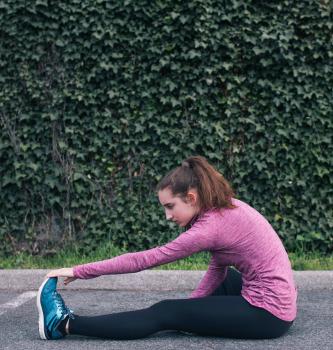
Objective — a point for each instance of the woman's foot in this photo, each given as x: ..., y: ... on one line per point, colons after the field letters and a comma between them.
x: 52, y: 310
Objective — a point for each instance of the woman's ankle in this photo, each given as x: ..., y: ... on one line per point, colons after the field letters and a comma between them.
x: 63, y: 326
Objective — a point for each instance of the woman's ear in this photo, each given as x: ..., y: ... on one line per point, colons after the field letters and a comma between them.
x: 191, y: 198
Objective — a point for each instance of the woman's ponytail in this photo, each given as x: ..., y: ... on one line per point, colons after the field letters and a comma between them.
x: 214, y: 191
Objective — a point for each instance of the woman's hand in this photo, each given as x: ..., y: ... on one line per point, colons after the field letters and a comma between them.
x: 65, y: 272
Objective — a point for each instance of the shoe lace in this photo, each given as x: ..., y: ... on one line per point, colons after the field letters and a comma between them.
x: 62, y: 306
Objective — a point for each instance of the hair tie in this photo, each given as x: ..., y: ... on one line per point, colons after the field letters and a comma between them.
x: 186, y: 164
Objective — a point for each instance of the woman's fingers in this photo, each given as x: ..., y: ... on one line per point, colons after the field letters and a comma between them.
x: 65, y: 272
x: 52, y: 274
x: 69, y: 280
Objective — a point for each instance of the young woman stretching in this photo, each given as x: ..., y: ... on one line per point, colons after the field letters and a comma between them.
x: 254, y: 300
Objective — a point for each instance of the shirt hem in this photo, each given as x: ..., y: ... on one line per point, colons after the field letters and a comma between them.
x: 283, y: 318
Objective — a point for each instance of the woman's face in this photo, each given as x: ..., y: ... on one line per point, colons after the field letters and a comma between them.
x: 176, y: 209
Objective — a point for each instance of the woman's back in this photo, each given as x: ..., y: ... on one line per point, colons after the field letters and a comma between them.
x: 247, y: 241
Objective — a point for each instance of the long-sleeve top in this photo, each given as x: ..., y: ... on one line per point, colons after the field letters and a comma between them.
x: 239, y: 237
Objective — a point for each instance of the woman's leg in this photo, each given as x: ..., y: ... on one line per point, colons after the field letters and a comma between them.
x: 225, y: 313
x: 225, y: 316
x: 122, y: 325
x: 232, y: 284
x: 143, y: 322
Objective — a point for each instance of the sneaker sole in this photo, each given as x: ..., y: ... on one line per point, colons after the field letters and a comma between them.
x: 41, y: 324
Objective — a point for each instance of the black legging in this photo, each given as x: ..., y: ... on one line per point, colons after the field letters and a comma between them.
x: 225, y: 313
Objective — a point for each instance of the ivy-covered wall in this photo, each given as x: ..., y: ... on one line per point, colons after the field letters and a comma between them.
x: 99, y: 99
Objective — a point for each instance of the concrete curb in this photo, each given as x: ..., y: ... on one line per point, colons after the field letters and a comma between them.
x: 147, y: 280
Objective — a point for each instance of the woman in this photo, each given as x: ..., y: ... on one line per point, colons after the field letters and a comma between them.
x: 254, y: 300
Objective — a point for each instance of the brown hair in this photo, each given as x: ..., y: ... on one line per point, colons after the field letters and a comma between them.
x: 214, y: 191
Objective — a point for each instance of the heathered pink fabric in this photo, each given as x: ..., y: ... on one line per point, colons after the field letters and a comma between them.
x: 239, y: 237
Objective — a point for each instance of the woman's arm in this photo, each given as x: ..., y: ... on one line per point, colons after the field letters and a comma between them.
x: 200, y: 237
x: 184, y: 245
x: 214, y: 276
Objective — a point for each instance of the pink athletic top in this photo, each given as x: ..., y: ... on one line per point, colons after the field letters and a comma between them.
x: 240, y: 237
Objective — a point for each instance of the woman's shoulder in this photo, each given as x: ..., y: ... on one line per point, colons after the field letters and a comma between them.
x: 240, y: 208
x: 237, y: 202
x: 221, y: 213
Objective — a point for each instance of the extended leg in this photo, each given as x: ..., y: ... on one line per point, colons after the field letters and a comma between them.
x: 225, y: 316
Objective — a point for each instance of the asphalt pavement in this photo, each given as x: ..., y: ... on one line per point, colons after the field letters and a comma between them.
x: 312, y: 329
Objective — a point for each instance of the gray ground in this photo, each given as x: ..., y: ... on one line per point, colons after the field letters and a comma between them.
x: 19, y: 326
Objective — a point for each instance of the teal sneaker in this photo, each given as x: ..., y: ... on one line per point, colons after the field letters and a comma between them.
x: 52, y: 310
